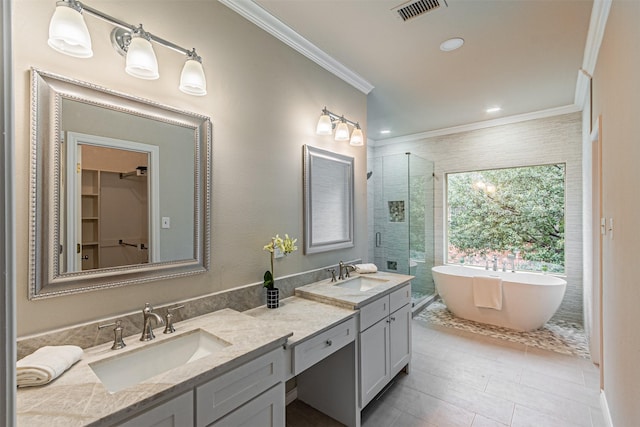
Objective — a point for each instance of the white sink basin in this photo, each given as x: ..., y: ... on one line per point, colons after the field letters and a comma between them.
x: 130, y: 368
x: 361, y: 283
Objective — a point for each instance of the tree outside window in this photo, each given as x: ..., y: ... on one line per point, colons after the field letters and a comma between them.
x: 515, y: 215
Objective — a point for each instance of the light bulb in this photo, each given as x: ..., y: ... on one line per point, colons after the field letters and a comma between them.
x: 68, y: 33
x: 342, y: 132
x: 356, y: 137
x: 192, y: 79
x: 141, y: 60
x: 324, y: 125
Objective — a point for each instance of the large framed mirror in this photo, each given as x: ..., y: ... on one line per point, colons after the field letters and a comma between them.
x: 328, y: 200
x: 120, y: 189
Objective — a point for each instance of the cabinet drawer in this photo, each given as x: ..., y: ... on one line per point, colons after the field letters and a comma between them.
x: 310, y: 352
x: 399, y: 298
x: 228, y: 391
x: 372, y: 312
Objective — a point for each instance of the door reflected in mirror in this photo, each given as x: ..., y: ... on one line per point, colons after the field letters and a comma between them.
x: 109, y: 201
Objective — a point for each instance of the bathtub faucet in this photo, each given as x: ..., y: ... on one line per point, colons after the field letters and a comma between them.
x: 495, y: 263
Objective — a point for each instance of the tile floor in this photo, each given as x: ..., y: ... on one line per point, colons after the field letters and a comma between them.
x: 462, y: 379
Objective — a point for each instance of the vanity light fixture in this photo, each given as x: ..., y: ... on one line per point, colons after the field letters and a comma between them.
x: 329, y: 121
x: 68, y: 34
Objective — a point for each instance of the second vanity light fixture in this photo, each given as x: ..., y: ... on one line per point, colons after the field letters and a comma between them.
x: 328, y: 121
x: 68, y: 34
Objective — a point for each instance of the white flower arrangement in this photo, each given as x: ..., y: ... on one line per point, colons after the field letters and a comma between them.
x: 277, y: 244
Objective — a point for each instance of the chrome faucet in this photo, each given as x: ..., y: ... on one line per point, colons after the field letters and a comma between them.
x: 147, y: 330
x: 495, y: 263
x: 345, y: 267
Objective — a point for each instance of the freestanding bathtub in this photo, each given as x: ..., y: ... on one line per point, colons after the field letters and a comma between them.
x: 528, y: 299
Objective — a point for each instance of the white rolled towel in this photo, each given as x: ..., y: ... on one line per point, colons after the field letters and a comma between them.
x: 46, y: 364
x: 366, y: 268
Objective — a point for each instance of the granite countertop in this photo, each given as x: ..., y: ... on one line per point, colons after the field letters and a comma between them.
x: 78, y: 397
x: 305, y: 317
x: 329, y: 292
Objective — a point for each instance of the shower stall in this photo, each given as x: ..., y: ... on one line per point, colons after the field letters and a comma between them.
x: 403, y: 233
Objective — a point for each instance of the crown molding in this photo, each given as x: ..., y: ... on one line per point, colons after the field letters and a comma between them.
x: 272, y: 25
x: 597, y: 25
x: 551, y: 112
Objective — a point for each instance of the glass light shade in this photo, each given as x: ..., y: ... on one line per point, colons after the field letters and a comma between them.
x: 141, y: 60
x: 68, y: 33
x: 192, y: 79
x: 356, y: 137
x: 342, y: 132
x: 324, y: 125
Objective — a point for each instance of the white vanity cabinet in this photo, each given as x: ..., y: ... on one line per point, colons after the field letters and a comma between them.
x: 385, y: 341
x: 249, y: 395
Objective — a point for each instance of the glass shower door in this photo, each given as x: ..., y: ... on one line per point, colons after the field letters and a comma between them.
x: 403, y: 219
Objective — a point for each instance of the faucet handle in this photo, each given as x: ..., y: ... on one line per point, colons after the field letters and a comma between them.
x: 118, y: 342
x: 168, y: 328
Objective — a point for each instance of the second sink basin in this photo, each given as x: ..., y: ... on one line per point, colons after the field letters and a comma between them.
x: 124, y: 370
x: 361, y: 283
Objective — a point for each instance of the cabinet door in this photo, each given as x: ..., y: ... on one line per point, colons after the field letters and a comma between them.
x: 266, y: 410
x: 400, y: 339
x: 374, y: 360
x: 228, y: 391
x: 177, y: 412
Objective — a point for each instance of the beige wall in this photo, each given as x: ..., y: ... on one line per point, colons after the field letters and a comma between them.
x: 616, y: 97
x: 543, y: 141
x: 264, y: 100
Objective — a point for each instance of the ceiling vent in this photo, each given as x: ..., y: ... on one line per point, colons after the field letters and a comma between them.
x: 413, y: 9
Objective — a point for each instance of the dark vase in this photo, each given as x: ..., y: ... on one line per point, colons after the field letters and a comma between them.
x: 273, y: 297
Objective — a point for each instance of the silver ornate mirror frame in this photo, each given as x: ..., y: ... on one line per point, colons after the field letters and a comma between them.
x: 45, y: 278
x: 328, y: 200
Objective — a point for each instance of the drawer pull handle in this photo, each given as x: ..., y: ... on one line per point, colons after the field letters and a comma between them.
x: 328, y: 342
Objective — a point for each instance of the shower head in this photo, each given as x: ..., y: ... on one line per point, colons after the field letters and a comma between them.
x: 369, y: 175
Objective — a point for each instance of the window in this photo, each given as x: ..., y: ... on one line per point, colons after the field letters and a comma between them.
x: 514, y: 216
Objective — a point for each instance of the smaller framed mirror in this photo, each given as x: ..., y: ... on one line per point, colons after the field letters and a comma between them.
x: 328, y: 200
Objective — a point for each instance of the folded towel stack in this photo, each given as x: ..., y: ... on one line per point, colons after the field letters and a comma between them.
x: 487, y: 292
x: 366, y: 268
x: 46, y: 364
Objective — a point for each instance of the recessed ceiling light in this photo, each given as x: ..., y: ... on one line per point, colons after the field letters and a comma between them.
x: 493, y: 109
x: 385, y: 131
x: 451, y: 44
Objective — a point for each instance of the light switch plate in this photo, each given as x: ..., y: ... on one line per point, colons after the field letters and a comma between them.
x: 166, y: 222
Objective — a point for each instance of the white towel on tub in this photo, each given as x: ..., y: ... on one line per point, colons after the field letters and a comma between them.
x: 46, y: 364
x: 487, y: 292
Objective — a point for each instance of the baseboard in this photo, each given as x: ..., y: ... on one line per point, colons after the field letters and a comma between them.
x: 605, y: 409
x: 291, y: 396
